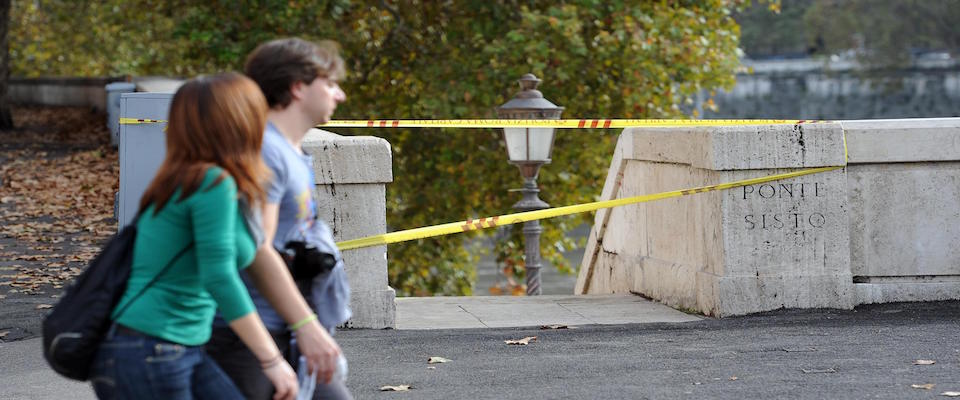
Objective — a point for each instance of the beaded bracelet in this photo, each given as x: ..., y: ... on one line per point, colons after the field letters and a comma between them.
x: 303, y: 322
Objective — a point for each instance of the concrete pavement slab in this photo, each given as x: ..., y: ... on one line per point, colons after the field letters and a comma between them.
x: 507, y: 311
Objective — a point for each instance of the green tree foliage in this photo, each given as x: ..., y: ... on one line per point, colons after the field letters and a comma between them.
x: 432, y: 59
x: 884, y: 33
x: 880, y: 33
x: 775, y: 29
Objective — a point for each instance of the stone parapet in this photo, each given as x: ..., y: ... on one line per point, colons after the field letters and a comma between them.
x: 888, y: 219
x: 351, y: 174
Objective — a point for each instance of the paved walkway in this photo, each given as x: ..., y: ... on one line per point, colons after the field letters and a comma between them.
x: 504, y: 311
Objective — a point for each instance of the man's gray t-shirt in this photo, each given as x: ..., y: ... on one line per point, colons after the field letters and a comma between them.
x: 291, y: 188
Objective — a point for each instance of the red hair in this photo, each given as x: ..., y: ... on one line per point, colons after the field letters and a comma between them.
x: 214, y: 121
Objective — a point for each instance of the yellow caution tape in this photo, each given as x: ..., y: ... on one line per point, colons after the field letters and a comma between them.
x: 490, y: 222
x: 555, y: 123
x: 529, y: 123
x: 134, y: 121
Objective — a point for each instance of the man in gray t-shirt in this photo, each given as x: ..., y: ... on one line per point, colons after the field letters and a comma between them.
x: 291, y: 189
x: 299, y: 80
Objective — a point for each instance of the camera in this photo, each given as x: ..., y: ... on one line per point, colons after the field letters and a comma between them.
x: 306, y: 261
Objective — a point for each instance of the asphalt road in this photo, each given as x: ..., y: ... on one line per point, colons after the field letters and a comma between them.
x: 867, y: 353
x: 820, y: 354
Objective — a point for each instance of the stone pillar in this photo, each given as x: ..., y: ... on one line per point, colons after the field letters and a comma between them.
x: 351, y: 174
x: 776, y: 245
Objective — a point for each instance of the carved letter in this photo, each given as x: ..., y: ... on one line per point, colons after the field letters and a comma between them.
x: 749, y: 220
x: 817, y: 220
x: 745, y: 191
x: 773, y: 191
x: 786, y: 188
x: 777, y: 223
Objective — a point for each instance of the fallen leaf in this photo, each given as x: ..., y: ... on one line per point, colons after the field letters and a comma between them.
x: 950, y: 394
x: 799, y: 349
x: 398, y: 388
x: 44, y: 306
x: 437, y: 360
x: 4, y: 334
x: 545, y: 327
x: 522, y: 342
x: 924, y: 362
x: 733, y: 378
x: 926, y: 386
x: 819, y: 371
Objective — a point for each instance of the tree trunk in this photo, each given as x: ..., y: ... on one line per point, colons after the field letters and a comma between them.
x: 6, y: 119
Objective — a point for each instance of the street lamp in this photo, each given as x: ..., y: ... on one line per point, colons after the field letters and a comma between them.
x: 528, y: 149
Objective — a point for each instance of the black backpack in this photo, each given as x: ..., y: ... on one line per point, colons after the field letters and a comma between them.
x: 74, y: 329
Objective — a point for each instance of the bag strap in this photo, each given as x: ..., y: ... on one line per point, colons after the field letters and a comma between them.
x: 152, y: 281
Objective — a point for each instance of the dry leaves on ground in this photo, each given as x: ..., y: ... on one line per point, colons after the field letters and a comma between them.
x: 925, y: 386
x: 924, y: 362
x: 398, y: 388
x: 58, y: 178
x: 437, y: 360
x: 521, y: 342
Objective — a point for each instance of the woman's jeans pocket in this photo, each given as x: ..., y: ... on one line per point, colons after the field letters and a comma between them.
x: 128, y: 367
x: 166, y: 352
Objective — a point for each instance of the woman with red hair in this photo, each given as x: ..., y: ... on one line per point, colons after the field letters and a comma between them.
x: 195, y: 231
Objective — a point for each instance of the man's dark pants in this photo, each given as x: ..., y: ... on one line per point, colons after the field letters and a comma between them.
x: 244, y: 368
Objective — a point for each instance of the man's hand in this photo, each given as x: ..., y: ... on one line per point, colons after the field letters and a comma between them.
x: 320, y: 350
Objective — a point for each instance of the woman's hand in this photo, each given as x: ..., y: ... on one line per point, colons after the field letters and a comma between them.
x: 283, y: 378
x: 320, y: 350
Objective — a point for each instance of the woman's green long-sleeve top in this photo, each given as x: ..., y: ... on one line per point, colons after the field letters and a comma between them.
x: 180, y: 305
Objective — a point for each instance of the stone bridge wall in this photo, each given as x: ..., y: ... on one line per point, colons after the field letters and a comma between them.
x: 882, y: 229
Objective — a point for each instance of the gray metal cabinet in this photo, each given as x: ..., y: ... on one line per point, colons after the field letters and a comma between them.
x: 142, y: 148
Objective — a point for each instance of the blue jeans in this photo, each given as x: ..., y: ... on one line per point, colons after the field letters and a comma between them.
x: 145, y: 367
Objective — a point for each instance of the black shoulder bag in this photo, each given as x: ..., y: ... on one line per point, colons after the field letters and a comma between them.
x: 74, y: 329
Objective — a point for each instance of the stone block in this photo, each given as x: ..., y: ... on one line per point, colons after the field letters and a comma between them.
x: 906, y: 290
x: 904, y: 219
x: 351, y: 174
x: 903, y: 140
x: 740, y: 147
x: 738, y: 295
x: 349, y: 159
x: 375, y: 309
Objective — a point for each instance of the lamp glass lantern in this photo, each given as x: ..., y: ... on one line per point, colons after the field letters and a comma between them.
x: 529, y: 147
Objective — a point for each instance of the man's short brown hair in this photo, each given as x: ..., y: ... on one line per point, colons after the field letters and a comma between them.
x: 278, y: 64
